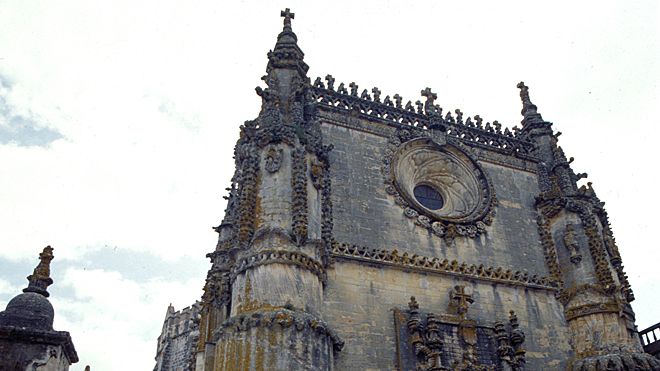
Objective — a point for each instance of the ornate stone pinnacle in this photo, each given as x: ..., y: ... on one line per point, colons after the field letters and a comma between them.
x: 529, y: 110
x: 287, y: 54
x: 413, y: 303
x: 40, y: 279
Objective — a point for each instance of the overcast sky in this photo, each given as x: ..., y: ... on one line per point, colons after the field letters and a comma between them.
x: 118, y: 121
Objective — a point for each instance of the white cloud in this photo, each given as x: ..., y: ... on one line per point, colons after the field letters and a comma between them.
x: 112, y: 315
x: 7, y: 290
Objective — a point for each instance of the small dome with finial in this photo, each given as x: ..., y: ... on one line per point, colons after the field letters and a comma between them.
x: 31, y: 309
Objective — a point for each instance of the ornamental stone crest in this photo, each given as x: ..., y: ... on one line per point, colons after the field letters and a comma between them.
x: 273, y: 159
x: 441, y: 187
x: 453, y: 341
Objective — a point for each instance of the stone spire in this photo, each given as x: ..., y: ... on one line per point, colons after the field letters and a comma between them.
x: 529, y: 110
x: 40, y: 278
x: 287, y: 53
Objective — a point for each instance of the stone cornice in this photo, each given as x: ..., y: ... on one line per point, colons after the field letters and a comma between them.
x: 417, y: 263
x: 61, y: 338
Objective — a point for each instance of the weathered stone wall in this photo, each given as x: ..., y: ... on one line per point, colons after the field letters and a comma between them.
x: 359, y: 298
x: 364, y: 214
x: 16, y: 355
x: 178, y: 339
x: 359, y: 303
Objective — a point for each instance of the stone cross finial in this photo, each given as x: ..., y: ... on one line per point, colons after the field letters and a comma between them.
x: 331, y: 82
x: 376, y: 93
x: 529, y: 110
x: 354, y: 89
x: 429, y: 105
x: 397, y: 100
x: 459, y: 116
x: 420, y: 106
x: 524, y: 93
x: 461, y: 299
x: 430, y: 96
x: 40, y: 279
x: 288, y: 16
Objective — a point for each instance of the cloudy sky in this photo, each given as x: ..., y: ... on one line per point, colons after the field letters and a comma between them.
x: 118, y: 120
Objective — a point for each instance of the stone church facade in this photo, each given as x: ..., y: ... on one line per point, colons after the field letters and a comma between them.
x: 363, y: 232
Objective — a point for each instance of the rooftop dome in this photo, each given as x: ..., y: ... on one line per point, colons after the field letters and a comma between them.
x: 28, y: 310
x: 31, y: 309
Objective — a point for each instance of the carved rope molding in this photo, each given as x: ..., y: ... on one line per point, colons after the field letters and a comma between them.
x: 434, y: 265
x: 592, y: 308
x: 266, y: 257
x: 490, y: 137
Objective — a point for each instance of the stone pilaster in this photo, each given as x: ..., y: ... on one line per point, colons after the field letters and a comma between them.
x: 275, y: 250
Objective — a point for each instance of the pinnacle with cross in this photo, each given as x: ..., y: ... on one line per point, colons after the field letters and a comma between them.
x: 288, y: 16
x: 429, y: 105
x: 529, y: 110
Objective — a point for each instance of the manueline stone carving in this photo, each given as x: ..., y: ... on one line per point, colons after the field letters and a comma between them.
x: 571, y: 244
x: 468, y: 196
x: 247, y: 193
x: 422, y: 115
x: 316, y: 173
x: 452, y: 341
x: 509, y: 344
x: 460, y: 300
x: 299, y: 195
x: 425, y: 340
x: 441, y: 266
x: 273, y: 159
x: 283, y: 318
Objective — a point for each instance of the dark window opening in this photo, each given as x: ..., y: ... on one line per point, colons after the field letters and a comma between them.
x: 428, y: 196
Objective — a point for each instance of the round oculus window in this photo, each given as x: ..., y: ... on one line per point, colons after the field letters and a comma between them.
x: 428, y: 196
x: 441, y: 182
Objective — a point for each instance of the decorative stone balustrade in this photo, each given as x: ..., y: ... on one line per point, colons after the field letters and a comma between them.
x: 420, y: 115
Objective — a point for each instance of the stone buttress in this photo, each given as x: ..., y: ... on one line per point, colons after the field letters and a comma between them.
x: 583, y: 258
x: 261, y: 308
